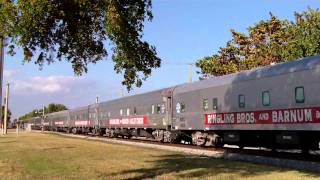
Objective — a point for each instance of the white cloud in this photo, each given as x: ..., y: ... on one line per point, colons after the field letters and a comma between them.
x: 50, y: 85
x: 36, y: 92
x: 9, y: 73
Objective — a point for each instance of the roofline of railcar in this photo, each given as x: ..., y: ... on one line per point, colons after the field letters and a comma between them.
x: 301, y: 64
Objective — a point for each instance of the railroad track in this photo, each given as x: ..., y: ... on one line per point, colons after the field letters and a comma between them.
x: 313, y: 156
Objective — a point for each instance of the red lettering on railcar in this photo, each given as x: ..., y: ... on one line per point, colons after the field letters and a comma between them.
x: 276, y: 116
x: 131, y: 120
x: 82, y: 123
x: 58, y: 123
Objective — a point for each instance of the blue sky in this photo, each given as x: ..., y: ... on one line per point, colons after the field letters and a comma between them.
x: 182, y: 31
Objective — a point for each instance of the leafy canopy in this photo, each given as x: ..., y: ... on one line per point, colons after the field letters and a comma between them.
x: 77, y: 30
x: 52, y: 107
x: 268, y: 41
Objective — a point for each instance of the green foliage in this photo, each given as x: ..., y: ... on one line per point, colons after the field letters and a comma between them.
x: 270, y: 41
x: 49, y: 109
x: 54, y: 108
x: 77, y: 30
x: 304, y: 39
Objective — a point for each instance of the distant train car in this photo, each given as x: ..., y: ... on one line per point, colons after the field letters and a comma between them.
x: 137, y: 115
x: 79, y: 120
x: 33, y: 123
x: 277, y: 106
x: 57, y: 121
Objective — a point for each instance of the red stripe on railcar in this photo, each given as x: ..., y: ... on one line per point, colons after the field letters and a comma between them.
x: 276, y: 116
x: 131, y: 120
x: 59, y: 123
x: 82, y: 123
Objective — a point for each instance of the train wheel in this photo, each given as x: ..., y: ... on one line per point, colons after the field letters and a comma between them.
x: 170, y: 137
x: 199, y: 138
x: 213, y: 139
x: 74, y: 130
x: 158, y: 135
x: 94, y: 131
x: 112, y: 133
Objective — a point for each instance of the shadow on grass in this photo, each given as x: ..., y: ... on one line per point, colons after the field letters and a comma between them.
x: 5, y: 142
x: 58, y: 148
x: 195, y: 166
x: 6, y: 137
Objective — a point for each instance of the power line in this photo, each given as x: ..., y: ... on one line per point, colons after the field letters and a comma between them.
x: 178, y: 64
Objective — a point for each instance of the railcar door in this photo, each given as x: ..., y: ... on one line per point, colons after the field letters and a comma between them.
x: 167, y: 118
x: 96, y: 119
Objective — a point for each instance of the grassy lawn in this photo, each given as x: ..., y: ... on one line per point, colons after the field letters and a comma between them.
x: 44, y: 156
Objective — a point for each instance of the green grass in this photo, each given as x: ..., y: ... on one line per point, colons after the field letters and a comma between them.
x: 45, y: 156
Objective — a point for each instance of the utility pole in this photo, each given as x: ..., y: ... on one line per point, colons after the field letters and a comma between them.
x: 190, y: 72
x: 17, y: 126
x: 6, y: 108
x: 122, y: 94
x: 1, y: 77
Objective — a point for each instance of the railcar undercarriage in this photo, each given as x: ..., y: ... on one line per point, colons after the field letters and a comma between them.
x: 304, y: 140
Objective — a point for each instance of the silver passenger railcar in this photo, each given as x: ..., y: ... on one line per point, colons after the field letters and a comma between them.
x: 57, y: 121
x: 275, y: 106
x: 137, y: 115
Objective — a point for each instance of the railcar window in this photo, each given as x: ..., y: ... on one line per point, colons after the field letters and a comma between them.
x: 205, y: 104
x: 215, y: 103
x: 178, y: 107
x: 266, y: 98
x: 121, y: 112
x: 183, y: 107
x: 128, y: 112
x: 299, y: 93
x: 242, y: 101
x: 163, y: 108
x: 134, y: 110
x: 109, y: 114
x: 158, y: 108
x: 153, y: 109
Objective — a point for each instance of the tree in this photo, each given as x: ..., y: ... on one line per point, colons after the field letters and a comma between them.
x: 52, y: 107
x: 304, y: 39
x: 55, y: 108
x: 270, y: 41
x: 77, y: 30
